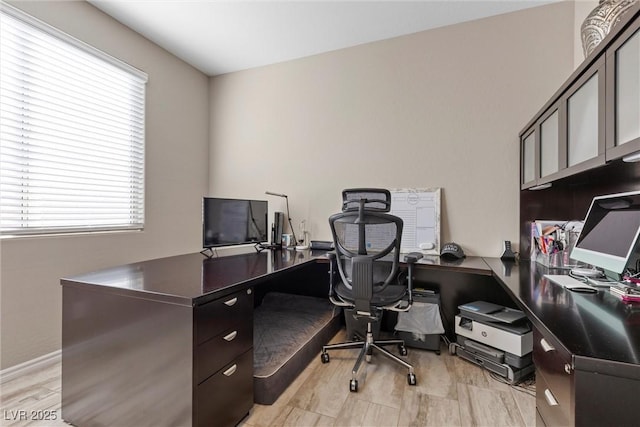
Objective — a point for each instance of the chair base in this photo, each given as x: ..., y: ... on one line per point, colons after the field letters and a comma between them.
x: 366, y: 350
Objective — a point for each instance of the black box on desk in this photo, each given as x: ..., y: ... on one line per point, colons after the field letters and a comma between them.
x: 423, y: 341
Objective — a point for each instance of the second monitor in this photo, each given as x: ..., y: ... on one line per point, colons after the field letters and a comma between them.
x: 609, y: 237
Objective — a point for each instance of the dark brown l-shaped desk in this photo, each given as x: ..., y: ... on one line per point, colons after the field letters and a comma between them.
x: 132, y: 336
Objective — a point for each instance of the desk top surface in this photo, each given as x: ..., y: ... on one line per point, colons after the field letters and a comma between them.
x: 593, y: 326
x: 590, y: 326
x: 183, y: 279
x: 470, y: 264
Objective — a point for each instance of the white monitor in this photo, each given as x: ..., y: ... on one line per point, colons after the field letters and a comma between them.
x: 610, y: 232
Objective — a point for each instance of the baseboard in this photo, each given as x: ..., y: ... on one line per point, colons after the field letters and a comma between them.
x: 30, y: 366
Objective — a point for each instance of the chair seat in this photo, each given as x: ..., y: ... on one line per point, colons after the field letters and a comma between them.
x: 390, y: 295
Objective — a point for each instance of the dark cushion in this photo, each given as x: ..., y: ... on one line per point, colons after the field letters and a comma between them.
x: 289, y: 331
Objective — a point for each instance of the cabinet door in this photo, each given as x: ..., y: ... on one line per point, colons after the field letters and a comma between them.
x: 554, y: 379
x: 585, y: 104
x: 528, y: 161
x: 623, y: 94
x: 227, y: 397
x: 550, y: 144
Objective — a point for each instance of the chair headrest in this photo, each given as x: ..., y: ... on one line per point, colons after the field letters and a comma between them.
x: 376, y: 199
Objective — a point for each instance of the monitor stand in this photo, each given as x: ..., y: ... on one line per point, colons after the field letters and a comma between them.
x: 586, y: 272
x: 262, y: 246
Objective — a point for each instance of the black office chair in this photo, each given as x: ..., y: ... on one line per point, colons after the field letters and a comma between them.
x: 367, y: 251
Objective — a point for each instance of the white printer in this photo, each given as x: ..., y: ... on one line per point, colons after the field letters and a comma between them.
x: 496, y: 337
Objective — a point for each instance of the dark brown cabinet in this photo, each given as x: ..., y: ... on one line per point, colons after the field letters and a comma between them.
x: 224, y: 362
x: 164, y: 342
x: 623, y: 94
x: 554, y: 380
x: 139, y: 354
x: 586, y: 349
x: 569, y: 135
x: 226, y: 397
x: 593, y: 118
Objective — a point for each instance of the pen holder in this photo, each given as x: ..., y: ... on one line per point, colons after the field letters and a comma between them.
x: 558, y: 258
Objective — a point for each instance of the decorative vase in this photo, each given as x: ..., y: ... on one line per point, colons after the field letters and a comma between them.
x: 602, y: 19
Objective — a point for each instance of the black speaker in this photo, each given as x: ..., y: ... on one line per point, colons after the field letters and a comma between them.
x: 278, y: 228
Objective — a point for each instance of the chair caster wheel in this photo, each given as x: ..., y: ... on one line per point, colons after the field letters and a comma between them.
x: 411, y: 379
x: 403, y: 350
x: 353, y: 386
x: 324, y: 357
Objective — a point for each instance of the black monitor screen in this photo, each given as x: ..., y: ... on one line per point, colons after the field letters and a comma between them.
x: 233, y: 221
x: 610, y: 231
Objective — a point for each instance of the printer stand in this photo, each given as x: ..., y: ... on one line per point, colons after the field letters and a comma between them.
x: 494, y: 337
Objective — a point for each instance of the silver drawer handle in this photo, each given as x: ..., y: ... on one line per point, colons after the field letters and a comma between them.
x: 231, y: 336
x: 230, y: 371
x: 231, y: 302
x: 546, y: 346
x: 551, y: 400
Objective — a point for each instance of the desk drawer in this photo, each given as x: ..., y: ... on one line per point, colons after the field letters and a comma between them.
x: 226, y: 397
x: 212, y: 355
x: 553, y: 365
x: 552, y: 412
x: 219, y: 315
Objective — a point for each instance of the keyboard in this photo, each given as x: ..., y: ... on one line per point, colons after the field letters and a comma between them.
x: 570, y: 283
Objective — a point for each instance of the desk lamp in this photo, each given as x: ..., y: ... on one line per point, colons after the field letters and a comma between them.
x: 271, y: 193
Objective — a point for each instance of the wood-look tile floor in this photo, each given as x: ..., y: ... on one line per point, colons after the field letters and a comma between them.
x: 450, y: 392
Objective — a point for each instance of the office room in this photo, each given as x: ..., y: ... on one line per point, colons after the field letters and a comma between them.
x: 448, y: 107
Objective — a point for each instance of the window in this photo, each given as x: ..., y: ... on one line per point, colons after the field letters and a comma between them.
x: 71, y: 133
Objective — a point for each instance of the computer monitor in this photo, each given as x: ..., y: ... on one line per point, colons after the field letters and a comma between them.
x: 610, y: 232
x: 233, y: 221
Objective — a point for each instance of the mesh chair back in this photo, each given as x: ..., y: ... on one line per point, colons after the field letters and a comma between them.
x: 367, y: 244
x: 376, y: 200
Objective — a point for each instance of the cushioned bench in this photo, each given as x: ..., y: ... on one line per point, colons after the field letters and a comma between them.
x: 289, y: 331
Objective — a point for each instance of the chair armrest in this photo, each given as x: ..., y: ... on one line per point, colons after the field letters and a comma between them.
x: 412, y: 257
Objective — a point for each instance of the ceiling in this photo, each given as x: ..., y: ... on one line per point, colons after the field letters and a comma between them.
x: 219, y: 37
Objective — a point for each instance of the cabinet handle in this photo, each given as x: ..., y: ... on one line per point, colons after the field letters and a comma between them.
x: 546, y: 346
x: 551, y: 400
x: 231, y: 302
x: 231, y: 336
x: 230, y: 371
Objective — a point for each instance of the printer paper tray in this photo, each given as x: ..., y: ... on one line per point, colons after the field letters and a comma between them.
x: 494, y: 337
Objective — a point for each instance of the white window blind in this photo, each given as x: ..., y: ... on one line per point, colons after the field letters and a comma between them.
x: 71, y: 133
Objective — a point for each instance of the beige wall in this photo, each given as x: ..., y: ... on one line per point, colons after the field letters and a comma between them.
x: 441, y: 108
x: 438, y: 108
x: 176, y: 178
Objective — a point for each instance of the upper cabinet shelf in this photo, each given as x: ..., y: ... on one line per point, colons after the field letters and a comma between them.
x: 623, y: 94
x: 593, y: 118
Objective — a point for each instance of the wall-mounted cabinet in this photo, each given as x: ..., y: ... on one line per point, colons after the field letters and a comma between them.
x: 585, y: 120
x: 529, y: 161
x: 623, y: 95
x: 543, y: 154
x: 551, y: 156
x: 569, y: 136
x: 593, y: 118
